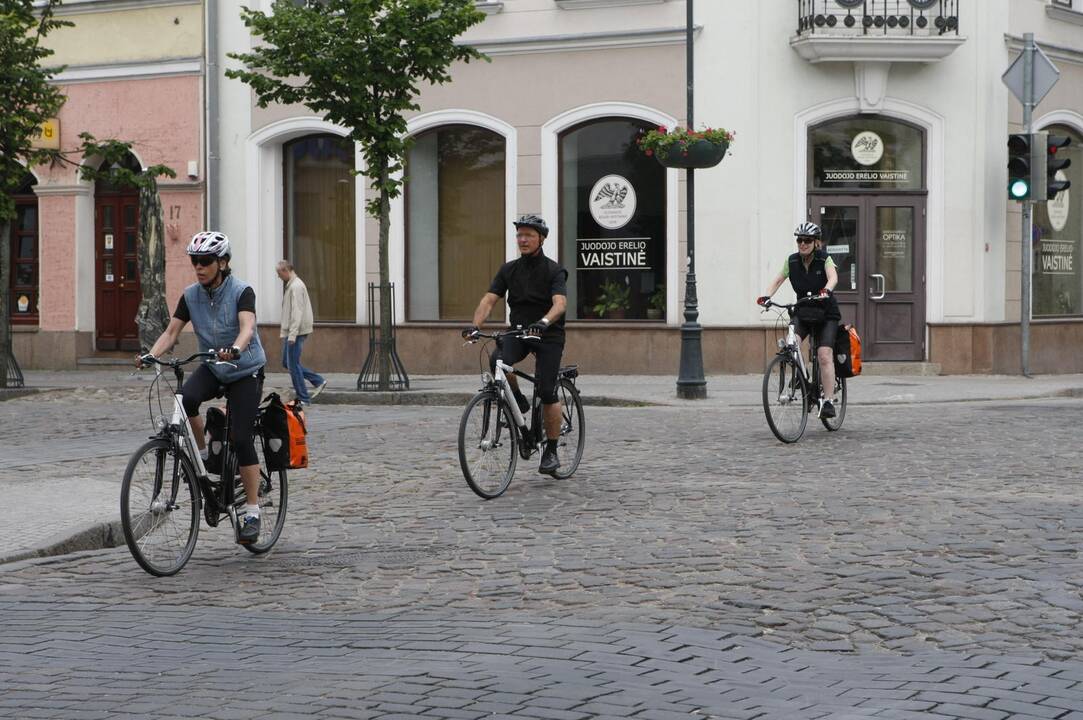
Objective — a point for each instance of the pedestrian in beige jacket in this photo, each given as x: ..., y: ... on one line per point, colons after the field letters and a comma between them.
x: 296, y: 327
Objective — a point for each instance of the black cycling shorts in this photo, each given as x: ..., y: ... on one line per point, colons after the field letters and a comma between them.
x: 823, y: 333
x: 243, y: 396
x: 546, y: 362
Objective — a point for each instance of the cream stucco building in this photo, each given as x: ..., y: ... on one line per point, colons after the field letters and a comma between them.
x: 885, y: 121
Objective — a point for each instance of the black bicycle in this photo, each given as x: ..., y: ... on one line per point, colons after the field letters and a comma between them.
x: 791, y: 390
x: 493, y: 433
x: 166, y: 485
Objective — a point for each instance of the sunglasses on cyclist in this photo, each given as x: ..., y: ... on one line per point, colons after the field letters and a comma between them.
x: 805, y: 240
x: 203, y: 260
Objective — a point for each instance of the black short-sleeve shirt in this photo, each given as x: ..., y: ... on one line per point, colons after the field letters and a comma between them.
x: 530, y: 283
x: 247, y: 301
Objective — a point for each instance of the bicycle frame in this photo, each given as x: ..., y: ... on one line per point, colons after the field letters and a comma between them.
x: 501, y: 381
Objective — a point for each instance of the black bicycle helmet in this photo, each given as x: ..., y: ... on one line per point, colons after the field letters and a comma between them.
x: 533, y: 221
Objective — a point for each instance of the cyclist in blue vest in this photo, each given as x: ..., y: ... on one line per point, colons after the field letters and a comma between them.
x: 222, y: 310
x: 812, y: 273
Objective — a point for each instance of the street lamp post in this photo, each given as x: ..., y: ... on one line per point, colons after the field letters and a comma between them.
x: 691, y: 385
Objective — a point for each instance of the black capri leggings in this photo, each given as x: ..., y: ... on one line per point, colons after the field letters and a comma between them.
x: 823, y: 334
x: 546, y: 362
x: 243, y: 396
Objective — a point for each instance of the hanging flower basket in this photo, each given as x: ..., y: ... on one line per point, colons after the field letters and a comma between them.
x: 698, y: 154
x: 682, y: 148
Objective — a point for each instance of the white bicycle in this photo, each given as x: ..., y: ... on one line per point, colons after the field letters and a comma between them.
x: 493, y: 433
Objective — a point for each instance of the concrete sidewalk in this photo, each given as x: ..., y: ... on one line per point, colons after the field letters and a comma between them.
x: 621, y: 390
x: 84, y: 469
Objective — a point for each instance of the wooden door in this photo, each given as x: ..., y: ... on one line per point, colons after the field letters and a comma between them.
x: 117, y: 287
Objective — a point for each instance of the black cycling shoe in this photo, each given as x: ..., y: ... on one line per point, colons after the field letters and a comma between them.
x: 550, y: 463
x: 248, y: 532
x: 827, y: 410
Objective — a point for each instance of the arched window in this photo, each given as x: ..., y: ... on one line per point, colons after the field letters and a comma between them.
x: 319, y: 222
x: 1058, y: 238
x: 455, y: 220
x: 612, y: 222
x: 25, y: 278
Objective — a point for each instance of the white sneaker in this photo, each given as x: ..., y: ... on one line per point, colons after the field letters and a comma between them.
x: 317, y: 390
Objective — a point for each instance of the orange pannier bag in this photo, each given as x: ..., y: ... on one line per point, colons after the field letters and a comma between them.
x: 847, y: 352
x: 283, y: 429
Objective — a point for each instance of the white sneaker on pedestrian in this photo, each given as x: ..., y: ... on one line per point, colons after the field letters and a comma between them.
x: 317, y: 390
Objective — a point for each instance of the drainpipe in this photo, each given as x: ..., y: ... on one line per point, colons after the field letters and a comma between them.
x: 211, y: 121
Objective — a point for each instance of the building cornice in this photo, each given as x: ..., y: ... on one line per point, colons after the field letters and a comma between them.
x: 1055, y: 52
x: 128, y: 71
x: 586, y: 4
x: 44, y: 190
x: 582, y: 41
x: 82, y: 7
x: 1064, y: 14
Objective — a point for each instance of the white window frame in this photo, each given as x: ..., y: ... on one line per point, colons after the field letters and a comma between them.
x: 397, y: 241
x: 550, y: 146
x: 262, y: 245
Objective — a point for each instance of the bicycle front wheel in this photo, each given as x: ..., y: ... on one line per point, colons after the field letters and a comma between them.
x: 840, y: 406
x: 487, y: 445
x: 573, y: 430
x: 784, y: 401
x: 273, y: 497
x: 159, y: 508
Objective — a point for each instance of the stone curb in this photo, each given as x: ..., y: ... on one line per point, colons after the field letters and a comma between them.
x: 92, y: 537
x: 12, y: 393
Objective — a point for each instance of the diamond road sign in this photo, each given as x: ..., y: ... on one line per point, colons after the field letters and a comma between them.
x: 1045, y: 76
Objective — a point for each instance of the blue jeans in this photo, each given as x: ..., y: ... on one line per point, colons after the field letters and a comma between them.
x: 291, y: 360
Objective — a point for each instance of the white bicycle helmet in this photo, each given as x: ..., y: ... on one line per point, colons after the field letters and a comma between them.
x: 807, y: 229
x: 209, y: 242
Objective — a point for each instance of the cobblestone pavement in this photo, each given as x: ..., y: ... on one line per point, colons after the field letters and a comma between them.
x: 921, y: 563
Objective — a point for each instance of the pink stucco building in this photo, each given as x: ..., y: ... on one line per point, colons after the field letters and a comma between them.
x: 75, y: 282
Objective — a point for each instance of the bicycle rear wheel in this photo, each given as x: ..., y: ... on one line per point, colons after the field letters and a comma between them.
x: 573, y: 430
x: 159, y: 508
x: 273, y: 499
x: 784, y: 401
x: 488, y: 442
x: 840, y: 406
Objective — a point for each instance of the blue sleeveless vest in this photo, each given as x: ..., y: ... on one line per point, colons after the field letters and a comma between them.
x: 216, y: 324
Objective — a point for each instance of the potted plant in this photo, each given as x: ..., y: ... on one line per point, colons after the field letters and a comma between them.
x: 656, y: 306
x: 613, y: 300
x: 686, y: 148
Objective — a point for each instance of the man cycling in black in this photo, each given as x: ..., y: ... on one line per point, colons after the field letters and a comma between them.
x: 222, y: 310
x: 537, y: 295
x: 812, y: 274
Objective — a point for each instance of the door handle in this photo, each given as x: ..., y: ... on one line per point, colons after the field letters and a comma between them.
x: 883, y: 286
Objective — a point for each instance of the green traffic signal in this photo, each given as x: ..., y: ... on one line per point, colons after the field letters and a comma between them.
x: 1019, y: 166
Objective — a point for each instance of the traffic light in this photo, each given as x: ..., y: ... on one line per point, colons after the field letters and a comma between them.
x: 1053, y: 164
x: 1020, y: 167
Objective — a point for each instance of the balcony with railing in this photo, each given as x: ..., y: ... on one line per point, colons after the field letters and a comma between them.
x: 876, y: 30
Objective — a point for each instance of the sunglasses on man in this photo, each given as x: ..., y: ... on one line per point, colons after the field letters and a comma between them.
x: 203, y: 260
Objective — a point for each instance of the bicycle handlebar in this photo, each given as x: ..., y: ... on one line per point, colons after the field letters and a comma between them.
x: 176, y: 362
x: 790, y: 306
x: 516, y: 333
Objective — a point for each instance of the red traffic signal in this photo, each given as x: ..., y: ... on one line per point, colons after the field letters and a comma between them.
x: 1053, y: 164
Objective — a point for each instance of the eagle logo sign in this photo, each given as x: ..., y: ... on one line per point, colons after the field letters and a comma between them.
x: 614, y: 193
x: 612, y: 201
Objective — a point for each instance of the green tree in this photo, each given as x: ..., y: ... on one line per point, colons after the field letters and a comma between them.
x: 27, y: 99
x: 358, y: 64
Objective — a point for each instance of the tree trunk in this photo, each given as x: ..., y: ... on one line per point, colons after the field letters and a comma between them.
x: 153, y: 314
x: 384, y: 360
x: 6, y: 355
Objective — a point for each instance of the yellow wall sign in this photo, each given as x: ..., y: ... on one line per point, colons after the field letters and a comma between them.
x: 49, y: 137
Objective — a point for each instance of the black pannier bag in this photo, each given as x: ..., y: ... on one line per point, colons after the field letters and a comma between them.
x: 811, y: 314
x: 275, y: 429
x: 214, y: 435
